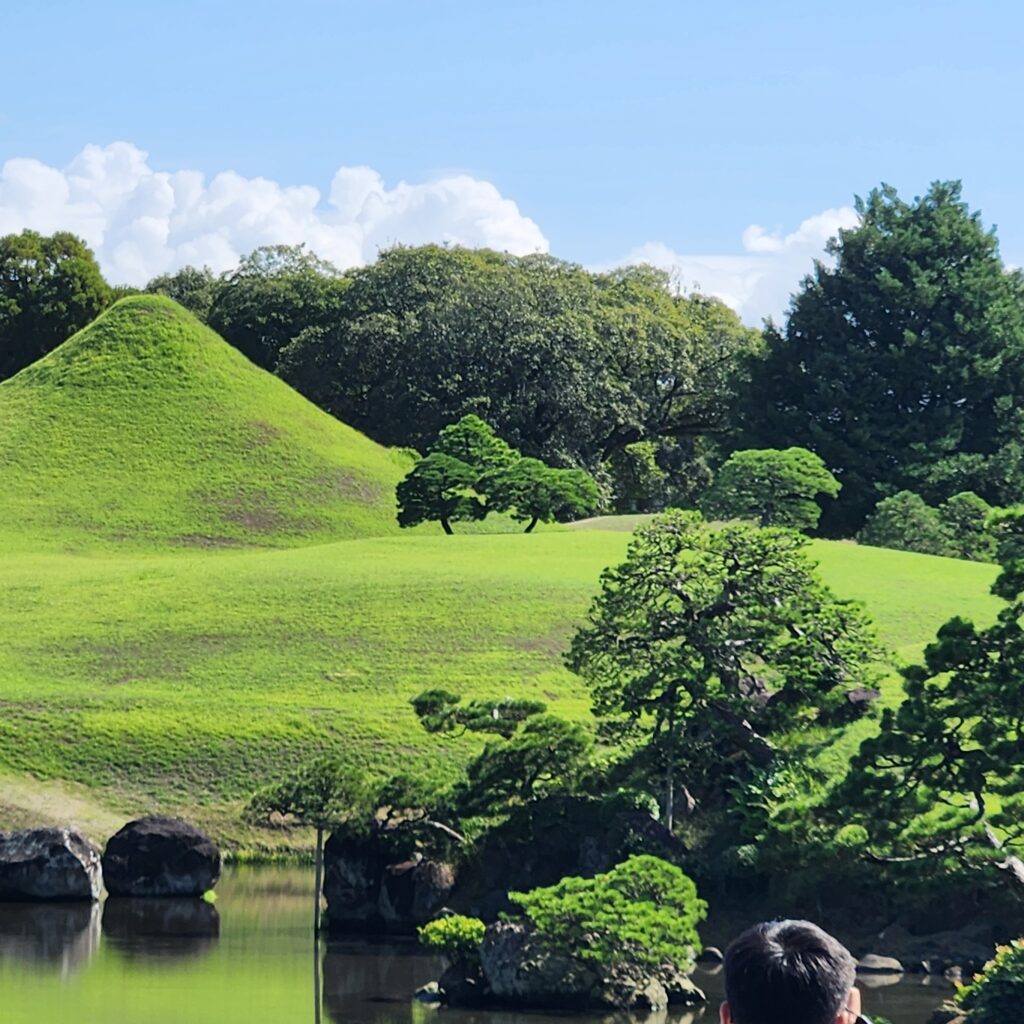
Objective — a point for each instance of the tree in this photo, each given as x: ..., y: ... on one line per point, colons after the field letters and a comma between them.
x: 704, y: 640
x: 439, y: 488
x: 643, y: 911
x: 194, y: 288
x: 535, y: 493
x: 322, y: 795
x: 638, y: 482
x: 473, y: 441
x: 900, y: 362
x: 278, y: 295
x: 965, y: 519
x: 940, y: 789
x: 50, y: 287
x: 905, y: 522
x: 568, y: 366
x: 546, y: 753
x: 777, y: 488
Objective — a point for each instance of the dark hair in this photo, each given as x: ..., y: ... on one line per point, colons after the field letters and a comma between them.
x: 787, y: 972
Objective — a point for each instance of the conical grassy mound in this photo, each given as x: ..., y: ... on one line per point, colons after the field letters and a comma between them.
x: 146, y: 429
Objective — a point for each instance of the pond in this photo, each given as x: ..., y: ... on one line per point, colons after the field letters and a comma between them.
x: 248, y: 959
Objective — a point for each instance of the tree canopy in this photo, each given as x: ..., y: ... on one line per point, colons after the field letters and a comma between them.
x: 50, y: 287
x: 775, y: 488
x: 941, y: 787
x: 900, y: 362
x: 705, y: 640
x: 568, y: 366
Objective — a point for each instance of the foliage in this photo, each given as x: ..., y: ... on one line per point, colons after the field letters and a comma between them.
x: 777, y: 488
x: 535, y: 493
x: 905, y: 522
x: 473, y: 442
x: 900, y: 359
x: 439, y: 488
x: 644, y: 911
x: 278, y: 295
x: 639, y: 481
x: 996, y: 994
x: 455, y: 937
x: 322, y: 794
x: 941, y: 787
x: 145, y: 430
x: 442, y: 711
x: 965, y: 518
x: 50, y: 287
x: 545, y: 754
x: 690, y: 636
x: 195, y: 289
x: 568, y: 366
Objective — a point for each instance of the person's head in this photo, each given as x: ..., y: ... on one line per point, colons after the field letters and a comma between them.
x: 789, y: 972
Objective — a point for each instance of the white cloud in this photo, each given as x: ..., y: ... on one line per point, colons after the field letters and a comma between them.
x: 142, y: 222
x: 759, y: 281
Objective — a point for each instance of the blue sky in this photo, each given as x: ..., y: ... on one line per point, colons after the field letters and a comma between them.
x: 598, y: 131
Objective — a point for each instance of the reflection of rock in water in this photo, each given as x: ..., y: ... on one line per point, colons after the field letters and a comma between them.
x: 160, y: 929
x: 59, y: 935
x: 374, y: 983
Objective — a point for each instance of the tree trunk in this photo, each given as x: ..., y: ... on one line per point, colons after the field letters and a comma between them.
x: 318, y: 883
x: 317, y: 989
x: 670, y: 788
x: 447, y: 527
x: 533, y: 523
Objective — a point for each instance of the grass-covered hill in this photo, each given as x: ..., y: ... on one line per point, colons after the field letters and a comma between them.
x: 183, y: 680
x: 146, y: 430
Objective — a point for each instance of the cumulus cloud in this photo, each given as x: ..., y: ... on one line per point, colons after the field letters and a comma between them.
x: 758, y: 281
x: 142, y: 222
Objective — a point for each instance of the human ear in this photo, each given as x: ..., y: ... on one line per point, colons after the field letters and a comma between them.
x: 724, y: 1014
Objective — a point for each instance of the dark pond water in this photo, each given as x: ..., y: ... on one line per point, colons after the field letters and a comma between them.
x: 249, y: 959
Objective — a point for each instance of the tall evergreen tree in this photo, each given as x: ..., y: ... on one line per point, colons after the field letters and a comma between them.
x: 901, y: 364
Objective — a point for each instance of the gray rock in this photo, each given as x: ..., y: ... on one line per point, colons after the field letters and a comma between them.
x: 429, y: 994
x: 160, y: 857
x: 875, y: 964
x: 711, y: 955
x: 520, y: 970
x: 48, y: 864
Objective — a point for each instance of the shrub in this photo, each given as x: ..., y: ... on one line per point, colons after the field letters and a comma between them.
x: 455, y: 937
x: 997, y: 994
x: 644, y: 911
x: 907, y: 523
x: 965, y: 519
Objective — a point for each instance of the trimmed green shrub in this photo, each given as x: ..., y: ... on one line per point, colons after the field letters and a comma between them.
x: 997, y: 994
x: 455, y: 937
x: 965, y: 518
x: 644, y: 911
x: 905, y: 522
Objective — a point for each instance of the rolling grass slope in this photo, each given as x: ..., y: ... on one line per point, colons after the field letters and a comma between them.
x: 184, y: 680
x: 147, y: 430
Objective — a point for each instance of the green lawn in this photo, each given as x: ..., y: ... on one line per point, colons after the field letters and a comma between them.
x: 181, y: 681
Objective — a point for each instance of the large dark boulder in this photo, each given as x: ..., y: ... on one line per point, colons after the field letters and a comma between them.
x: 160, y: 857
x: 367, y: 891
x: 545, y: 841
x: 48, y: 864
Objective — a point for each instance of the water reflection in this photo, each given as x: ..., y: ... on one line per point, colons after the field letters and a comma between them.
x: 64, y: 936
x: 160, y: 929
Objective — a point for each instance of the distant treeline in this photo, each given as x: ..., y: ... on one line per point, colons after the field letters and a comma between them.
x: 900, y: 361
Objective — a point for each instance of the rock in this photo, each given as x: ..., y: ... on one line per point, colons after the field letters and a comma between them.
x: 711, y: 955
x: 366, y: 892
x: 519, y: 970
x: 875, y: 964
x: 160, y: 857
x: 462, y: 989
x: 173, y: 928
x: 947, y: 1014
x: 48, y: 864
x: 429, y: 994
x: 937, y: 951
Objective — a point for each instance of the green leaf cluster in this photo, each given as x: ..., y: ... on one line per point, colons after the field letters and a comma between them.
x: 959, y: 528
x: 772, y: 487
x: 996, y: 995
x: 455, y: 937
x: 469, y: 471
x: 643, y: 911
